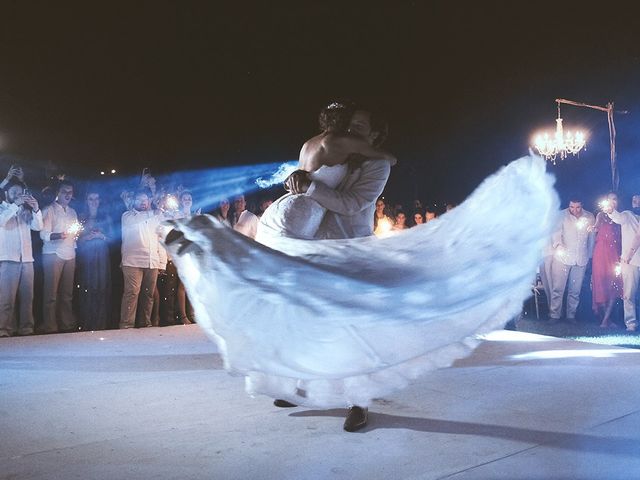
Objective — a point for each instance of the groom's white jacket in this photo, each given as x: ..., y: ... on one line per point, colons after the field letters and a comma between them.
x: 350, y: 207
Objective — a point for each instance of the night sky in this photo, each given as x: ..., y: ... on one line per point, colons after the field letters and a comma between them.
x: 186, y: 85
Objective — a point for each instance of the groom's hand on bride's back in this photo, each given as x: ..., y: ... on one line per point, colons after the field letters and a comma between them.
x: 298, y: 182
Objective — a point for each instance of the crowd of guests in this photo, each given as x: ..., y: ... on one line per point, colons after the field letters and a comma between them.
x: 607, y: 245
x: 392, y: 218
x: 101, y: 267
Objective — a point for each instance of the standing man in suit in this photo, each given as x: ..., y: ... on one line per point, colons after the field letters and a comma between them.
x: 571, y: 247
x: 350, y: 207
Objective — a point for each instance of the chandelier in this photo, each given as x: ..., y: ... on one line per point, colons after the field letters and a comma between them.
x: 559, y: 144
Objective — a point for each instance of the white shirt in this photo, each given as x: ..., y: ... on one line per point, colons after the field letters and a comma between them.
x: 247, y: 224
x: 573, y: 237
x: 58, y: 219
x: 141, y: 246
x: 15, y: 237
x: 630, y: 226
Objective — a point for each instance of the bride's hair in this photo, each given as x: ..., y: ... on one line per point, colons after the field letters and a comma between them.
x: 336, y: 116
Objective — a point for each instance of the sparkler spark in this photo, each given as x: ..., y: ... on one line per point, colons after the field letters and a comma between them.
x: 581, y: 224
x: 618, y: 269
x: 172, y: 202
x: 384, y: 227
x: 75, y: 228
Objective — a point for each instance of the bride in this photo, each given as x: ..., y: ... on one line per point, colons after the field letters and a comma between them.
x: 317, y: 322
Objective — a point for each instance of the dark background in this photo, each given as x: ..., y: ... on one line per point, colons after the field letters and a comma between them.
x: 186, y: 85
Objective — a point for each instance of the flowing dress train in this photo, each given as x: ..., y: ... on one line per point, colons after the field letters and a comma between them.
x: 332, y: 323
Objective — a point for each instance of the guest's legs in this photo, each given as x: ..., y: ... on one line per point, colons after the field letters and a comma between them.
x: 25, y: 295
x: 181, y: 295
x: 132, y: 282
x: 65, y: 296
x: 559, y: 275
x: 576, y: 277
x: 51, y: 271
x: 168, y: 314
x: 606, y: 317
x: 9, y: 281
x: 630, y: 277
x: 147, y: 290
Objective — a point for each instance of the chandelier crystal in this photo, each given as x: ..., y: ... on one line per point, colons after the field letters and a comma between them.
x: 559, y: 144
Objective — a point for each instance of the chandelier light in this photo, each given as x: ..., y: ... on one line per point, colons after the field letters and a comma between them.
x: 559, y: 144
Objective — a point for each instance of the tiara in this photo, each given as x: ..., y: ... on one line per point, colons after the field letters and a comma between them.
x: 335, y: 105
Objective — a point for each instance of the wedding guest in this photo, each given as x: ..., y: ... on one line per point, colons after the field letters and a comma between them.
x: 629, y: 222
x: 142, y: 258
x: 239, y: 206
x: 247, y: 224
x: 569, y: 263
x: 173, y: 302
x: 263, y: 205
x: 401, y: 221
x: 605, y: 279
x: 382, y: 222
x: 19, y: 213
x: 418, y: 219
x: 59, y: 261
x: 222, y: 212
x: 429, y: 215
x: 94, y: 264
x: 15, y: 171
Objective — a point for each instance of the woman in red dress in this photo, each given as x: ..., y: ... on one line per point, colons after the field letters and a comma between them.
x: 605, y: 280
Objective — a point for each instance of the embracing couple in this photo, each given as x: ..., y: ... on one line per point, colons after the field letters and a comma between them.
x: 342, y: 172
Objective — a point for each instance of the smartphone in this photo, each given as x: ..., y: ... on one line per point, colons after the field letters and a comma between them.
x: 26, y: 192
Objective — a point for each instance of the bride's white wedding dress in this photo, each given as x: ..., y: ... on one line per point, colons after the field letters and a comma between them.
x: 297, y: 215
x: 340, y: 322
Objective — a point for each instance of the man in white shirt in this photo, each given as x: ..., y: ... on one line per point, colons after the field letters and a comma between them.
x: 630, y: 264
x: 142, y: 257
x: 571, y: 255
x: 59, y: 261
x: 19, y: 213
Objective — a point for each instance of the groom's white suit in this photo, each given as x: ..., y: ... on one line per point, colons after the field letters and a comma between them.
x: 350, y: 207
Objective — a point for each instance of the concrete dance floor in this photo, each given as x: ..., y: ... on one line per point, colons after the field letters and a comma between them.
x: 155, y: 403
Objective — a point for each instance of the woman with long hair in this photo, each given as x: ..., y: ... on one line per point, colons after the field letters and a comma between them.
x: 94, y: 265
x: 606, y: 282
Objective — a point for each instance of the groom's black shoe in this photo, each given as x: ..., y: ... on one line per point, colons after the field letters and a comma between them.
x: 283, y: 403
x: 356, y: 419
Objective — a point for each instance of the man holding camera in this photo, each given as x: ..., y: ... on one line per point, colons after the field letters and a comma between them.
x: 19, y: 213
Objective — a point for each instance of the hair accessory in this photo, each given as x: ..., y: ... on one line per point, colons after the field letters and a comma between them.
x: 335, y: 105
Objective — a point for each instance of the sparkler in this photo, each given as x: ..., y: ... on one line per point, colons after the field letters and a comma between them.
x: 581, y: 224
x: 75, y: 228
x: 618, y: 269
x: 384, y: 227
x: 561, y: 253
x: 604, y: 204
x: 172, y: 203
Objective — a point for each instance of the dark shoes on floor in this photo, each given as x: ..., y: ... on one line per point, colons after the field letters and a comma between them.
x: 283, y: 403
x: 356, y: 419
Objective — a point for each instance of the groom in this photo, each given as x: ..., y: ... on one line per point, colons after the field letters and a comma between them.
x: 350, y: 208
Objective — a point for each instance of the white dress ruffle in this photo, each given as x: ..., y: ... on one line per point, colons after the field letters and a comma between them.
x: 334, y: 323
